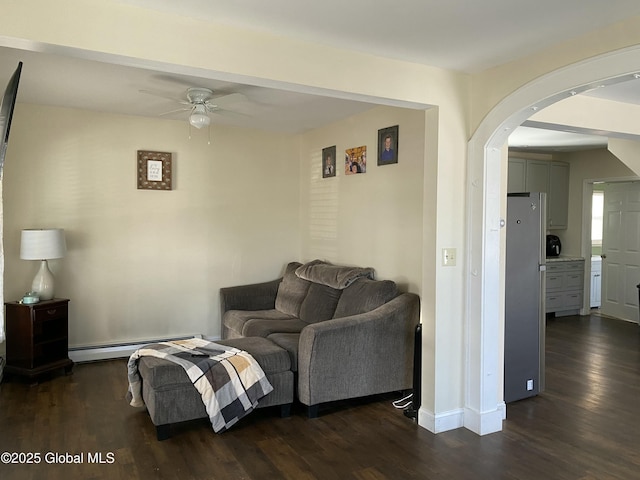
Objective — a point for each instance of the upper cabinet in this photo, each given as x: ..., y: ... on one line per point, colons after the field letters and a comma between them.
x: 517, y: 175
x: 550, y: 177
x: 538, y: 176
x: 558, y: 195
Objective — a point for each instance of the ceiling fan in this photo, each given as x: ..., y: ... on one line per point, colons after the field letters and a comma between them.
x: 201, y: 102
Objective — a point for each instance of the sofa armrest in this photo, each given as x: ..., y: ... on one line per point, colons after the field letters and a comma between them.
x: 359, y: 355
x: 257, y: 296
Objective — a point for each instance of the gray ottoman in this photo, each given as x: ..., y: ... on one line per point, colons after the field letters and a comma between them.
x: 170, y: 396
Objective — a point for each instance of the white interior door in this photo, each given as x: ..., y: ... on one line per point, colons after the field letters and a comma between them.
x: 621, y: 250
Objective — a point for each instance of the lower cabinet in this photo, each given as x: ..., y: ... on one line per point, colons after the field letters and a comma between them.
x: 565, y: 284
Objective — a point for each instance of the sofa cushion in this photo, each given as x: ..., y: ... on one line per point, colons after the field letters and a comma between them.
x: 292, y: 291
x: 163, y: 374
x: 319, y: 304
x: 260, y: 327
x: 288, y: 341
x: 365, y: 295
x: 235, y: 320
x: 270, y: 357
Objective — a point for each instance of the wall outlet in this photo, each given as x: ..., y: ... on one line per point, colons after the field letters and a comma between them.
x: 449, y: 256
x: 529, y: 385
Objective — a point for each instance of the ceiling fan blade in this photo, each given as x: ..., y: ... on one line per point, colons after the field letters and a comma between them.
x: 165, y: 96
x: 226, y: 100
x: 227, y: 113
x: 186, y: 109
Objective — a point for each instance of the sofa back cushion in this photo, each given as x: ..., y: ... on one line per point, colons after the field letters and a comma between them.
x: 292, y: 291
x: 320, y: 303
x: 364, y: 295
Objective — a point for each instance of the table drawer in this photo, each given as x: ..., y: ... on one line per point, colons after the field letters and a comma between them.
x: 50, y: 313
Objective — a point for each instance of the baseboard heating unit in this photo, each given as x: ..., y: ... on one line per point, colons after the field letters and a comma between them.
x: 119, y: 350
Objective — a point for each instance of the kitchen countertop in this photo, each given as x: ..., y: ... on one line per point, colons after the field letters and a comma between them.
x: 564, y: 258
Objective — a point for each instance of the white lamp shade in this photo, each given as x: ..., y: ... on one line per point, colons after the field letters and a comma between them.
x: 42, y: 244
x: 199, y: 117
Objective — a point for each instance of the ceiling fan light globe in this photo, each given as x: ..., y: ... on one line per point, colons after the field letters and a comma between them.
x: 199, y: 120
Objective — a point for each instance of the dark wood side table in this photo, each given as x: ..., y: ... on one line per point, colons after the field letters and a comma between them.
x: 37, y: 337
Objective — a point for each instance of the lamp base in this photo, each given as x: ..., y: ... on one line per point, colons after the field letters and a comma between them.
x: 43, y: 282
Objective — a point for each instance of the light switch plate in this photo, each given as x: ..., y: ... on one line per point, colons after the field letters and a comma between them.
x: 449, y: 257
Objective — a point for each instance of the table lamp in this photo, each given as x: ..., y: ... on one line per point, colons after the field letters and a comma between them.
x: 43, y: 245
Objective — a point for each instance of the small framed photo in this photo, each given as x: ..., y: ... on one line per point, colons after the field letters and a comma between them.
x: 355, y: 160
x: 329, y: 162
x: 154, y: 170
x: 388, y: 145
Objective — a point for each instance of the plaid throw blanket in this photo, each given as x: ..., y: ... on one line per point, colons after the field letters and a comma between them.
x: 229, y: 380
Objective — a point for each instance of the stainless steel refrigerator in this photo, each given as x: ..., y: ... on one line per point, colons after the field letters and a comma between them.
x: 524, y: 329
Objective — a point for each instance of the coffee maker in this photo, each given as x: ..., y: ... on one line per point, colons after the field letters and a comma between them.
x: 554, y: 247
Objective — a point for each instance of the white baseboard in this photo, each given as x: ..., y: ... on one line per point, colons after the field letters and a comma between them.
x: 482, y: 424
x: 108, y: 352
x: 441, y: 422
x: 486, y: 422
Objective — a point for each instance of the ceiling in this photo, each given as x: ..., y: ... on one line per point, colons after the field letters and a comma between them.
x: 478, y: 35
x: 78, y: 83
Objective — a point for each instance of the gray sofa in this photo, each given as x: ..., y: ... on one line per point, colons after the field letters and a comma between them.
x: 347, y: 334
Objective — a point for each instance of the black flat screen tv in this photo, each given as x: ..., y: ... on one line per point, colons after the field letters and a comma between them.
x: 6, y: 111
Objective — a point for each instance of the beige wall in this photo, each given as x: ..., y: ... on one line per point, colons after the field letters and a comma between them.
x: 592, y: 113
x: 491, y: 86
x: 146, y: 264
x: 599, y: 164
x: 372, y: 219
x: 627, y: 151
x: 169, y: 43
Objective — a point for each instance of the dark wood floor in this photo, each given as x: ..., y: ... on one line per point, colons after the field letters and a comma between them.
x: 586, y: 425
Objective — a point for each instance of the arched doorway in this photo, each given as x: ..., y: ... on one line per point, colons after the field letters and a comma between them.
x: 484, y: 405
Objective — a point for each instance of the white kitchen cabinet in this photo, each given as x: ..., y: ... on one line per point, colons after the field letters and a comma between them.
x: 558, y: 196
x: 550, y: 177
x: 565, y: 283
x: 517, y: 175
x: 537, y: 176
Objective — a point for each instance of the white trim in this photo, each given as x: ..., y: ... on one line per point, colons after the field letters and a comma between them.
x: 485, y: 281
x: 585, y: 247
x: 441, y: 422
x: 485, y: 422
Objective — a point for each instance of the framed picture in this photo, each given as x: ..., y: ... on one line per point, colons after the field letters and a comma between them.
x: 154, y: 170
x: 329, y: 162
x: 388, y: 145
x: 355, y: 160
